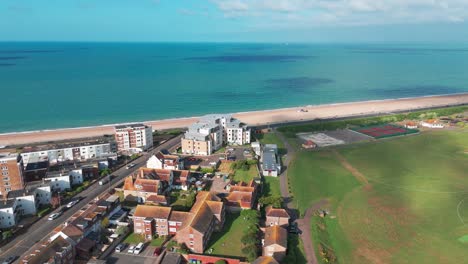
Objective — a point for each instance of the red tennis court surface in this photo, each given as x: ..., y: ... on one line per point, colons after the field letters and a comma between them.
x: 382, y: 131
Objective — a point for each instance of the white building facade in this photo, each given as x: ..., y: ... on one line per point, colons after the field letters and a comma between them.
x: 134, y: 137
x: 211, y: 132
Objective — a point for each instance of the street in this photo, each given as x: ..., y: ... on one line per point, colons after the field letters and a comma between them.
x: 40, y: 230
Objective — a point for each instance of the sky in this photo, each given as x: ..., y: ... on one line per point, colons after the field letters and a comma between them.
x: 235, y: 20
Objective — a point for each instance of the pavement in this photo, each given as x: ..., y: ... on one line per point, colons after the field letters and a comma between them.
x: 123, y: 257
x: 304, y: 223
x: 41, y: 229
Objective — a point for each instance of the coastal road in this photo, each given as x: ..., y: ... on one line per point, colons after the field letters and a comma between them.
x: 40, y: 230
x: 304, y: 223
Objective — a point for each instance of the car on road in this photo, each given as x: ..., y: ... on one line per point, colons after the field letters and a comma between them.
x: 104, y: 181
x: 54, y: 216
x: 72, y: 203
x: 131, y: 249
x: 157, y: 251
x: 121, y: 247
x: 138, y: 248
x: 131, y: 165
x: 9, y: 260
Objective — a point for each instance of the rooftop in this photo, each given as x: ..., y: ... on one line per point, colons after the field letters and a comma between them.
x: 7, y: 204
x: 276, y: 212
x: 8, y: 156
x: 83, y: 143
x: 131, y: 126
x: 152, y: 211
x: 265, y: 260
x: 276, y: 235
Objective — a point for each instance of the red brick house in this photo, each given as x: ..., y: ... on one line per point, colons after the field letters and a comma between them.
x: 275, y: 242
x: 242, y: 196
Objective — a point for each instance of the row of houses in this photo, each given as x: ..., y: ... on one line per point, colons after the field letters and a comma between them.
x: 76, y: 238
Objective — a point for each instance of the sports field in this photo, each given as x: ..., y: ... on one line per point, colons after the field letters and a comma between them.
x: 403, y: 200
x: 383, y: 131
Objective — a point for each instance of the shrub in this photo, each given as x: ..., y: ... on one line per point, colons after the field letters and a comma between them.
x: 220, y: 261
x: 7, y: 234
x: 121, y: 230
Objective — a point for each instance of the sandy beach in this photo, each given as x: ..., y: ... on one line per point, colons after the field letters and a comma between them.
x: 254, y: 118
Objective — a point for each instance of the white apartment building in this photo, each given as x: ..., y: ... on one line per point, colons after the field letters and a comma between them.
x: 211, y: 132
x: 59, y: 182
x: 82, y: 151
x: 134, y: 137
x: 8, y: 214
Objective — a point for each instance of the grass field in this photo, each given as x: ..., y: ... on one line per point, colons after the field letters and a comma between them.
x: 272, y: 138
x: 401, y: 200
x: 246, y: 176
x: 272, y: 186
x: 227, y: 242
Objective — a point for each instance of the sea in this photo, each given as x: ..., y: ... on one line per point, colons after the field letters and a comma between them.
x: 62, y: 85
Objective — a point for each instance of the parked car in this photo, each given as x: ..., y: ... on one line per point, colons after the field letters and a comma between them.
x: 131, y: 165
x: 9, y: 260
x: 138, y: 248
x: 131, y: 249
x: 157, y: 251
x: 120, y: 247
x: 72, y: 203
x: 54, y: 216
x: 232, y: 158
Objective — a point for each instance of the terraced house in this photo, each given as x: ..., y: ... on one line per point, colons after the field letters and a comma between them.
x: 192, y: 228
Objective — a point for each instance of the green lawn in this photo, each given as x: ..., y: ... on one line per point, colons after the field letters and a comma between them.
x: 272, y: 186
x: 246, y: 176
x: 227, y: 242
x: 157, y: 241
x: 410, y: 212
x: 134, y: 238
x: 272, y: 138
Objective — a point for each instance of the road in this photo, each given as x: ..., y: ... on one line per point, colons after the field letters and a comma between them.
x: 40, y: 230
x: 304, y: 223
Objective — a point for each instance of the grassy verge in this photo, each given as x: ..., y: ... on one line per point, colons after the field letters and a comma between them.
x: 245, y: 175
x: 134, y: 239
x: 271, y: 186
x: 157, y: 241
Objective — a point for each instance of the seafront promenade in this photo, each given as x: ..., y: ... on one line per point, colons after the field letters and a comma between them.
x: 254, y: 118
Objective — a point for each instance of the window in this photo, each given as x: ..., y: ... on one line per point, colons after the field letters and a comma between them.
x: 4, y: 168
x: 6, y: 178
x: 4, y: 173
x: 7, y: 189
x: 190, y: 235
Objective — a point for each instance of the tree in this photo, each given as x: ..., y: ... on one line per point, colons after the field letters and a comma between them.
x: 55, y: 201
x: 105, y: 172
x: 251, y: 216
x: 220, y: 261
x: 105, y: 222
x: 275, y: 201
x: 7, y: 234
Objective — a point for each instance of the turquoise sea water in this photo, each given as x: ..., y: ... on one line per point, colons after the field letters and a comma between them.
x: 56, y: 85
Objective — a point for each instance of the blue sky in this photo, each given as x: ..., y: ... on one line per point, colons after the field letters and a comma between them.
x: 234, y: 20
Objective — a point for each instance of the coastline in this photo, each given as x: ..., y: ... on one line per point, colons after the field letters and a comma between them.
x: 259, y: 117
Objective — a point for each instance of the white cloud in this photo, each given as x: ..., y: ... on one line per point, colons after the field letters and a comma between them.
x: 347, y: 12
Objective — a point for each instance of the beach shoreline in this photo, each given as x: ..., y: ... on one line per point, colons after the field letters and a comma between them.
x: 253, y: 118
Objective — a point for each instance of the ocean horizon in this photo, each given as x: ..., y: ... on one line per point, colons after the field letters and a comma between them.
x: 75, y: 84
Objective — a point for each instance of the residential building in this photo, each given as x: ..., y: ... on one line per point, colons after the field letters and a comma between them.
x: 11, y: 168
x: 265, y: 260
x: 257, y: 147
x: 78, y: 151
x: 411, y: 125
x: 194, y: 258
x: 206, y: 216
x: 36, y: 168
x: 57, y: 251
x: 241, y: 196
x: 211, y: 132
x: 59, y: 182
x: 25, y: 202
x: 192, y: 228
x: 150, y: 220
x: 164, y: 161
x: 432, y: 123
x: 8, y: 213
x: 148, y: 182
x: 134, y: 137
x: 275, y: 242
x: 276, y: 216
x: 270, y: 161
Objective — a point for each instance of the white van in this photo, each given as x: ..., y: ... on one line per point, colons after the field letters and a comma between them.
x: 138, y: 248
x: 104, y: 180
